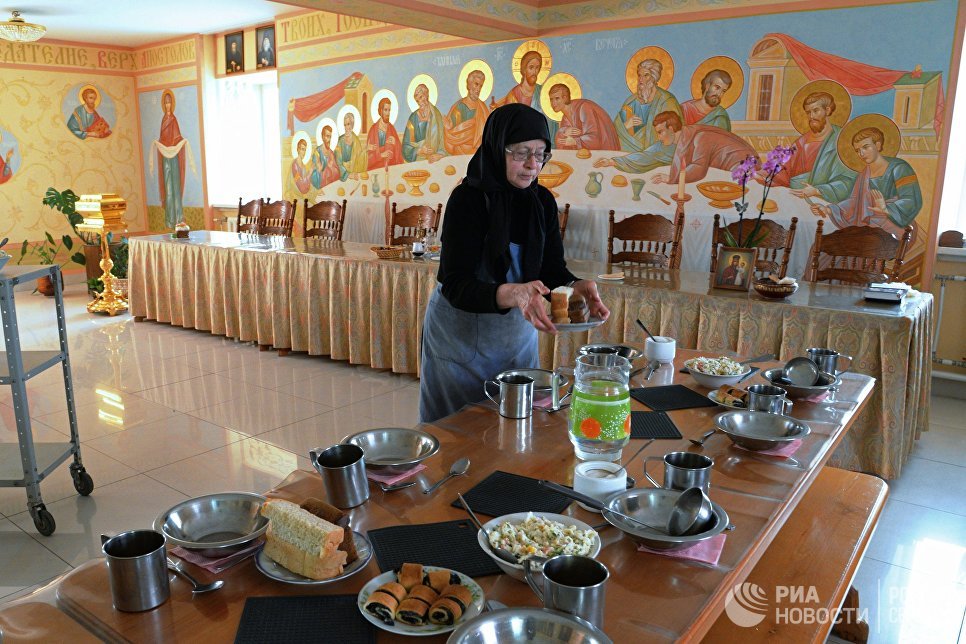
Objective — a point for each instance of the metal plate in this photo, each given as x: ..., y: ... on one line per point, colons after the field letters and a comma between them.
x: 521, y: 624
x: 394, y: 448
x: 571, y: 327
x: 801, y: 371
x: 268, y: 567
x: 653, y: 505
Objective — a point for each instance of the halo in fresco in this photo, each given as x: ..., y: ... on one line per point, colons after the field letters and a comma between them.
x: 174, y: 101
x: 657, y: 53
x: 340, y: 119
x: 843, y: 104
x: 421, y: 79
x: 727, y: 64
x: 393, y: 105
x: 532, y: 45
x: 890, y: 132
x: 335, y: 132
x: 473, y: 65
x: 97, y: 94
x: 299, y: 136
x: 564, y: 79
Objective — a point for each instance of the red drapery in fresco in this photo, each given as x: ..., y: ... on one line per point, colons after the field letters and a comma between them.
x: 858, y: 78
x: 308, y: 107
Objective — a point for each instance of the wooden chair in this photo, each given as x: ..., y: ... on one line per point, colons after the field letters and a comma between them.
x: 563, y: 216
x: 777, y: 240
x: 278, y: 218
x: 248, y: 216
x: 404, y: 224
x: 646, y: 239
x: 856, y: 255
x: 326, y: 219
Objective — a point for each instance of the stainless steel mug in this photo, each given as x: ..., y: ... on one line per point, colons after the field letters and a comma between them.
x: 683, y: 470
x: 573, y: 584
x: 137, y: 569
x: 516, y: 394
x: 343, y: 470
x: 768, y: 398
x: 828, y: 360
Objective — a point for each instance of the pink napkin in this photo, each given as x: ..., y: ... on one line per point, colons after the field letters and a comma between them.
x: 216, y: 564
x: 392, y: 479
x: 707, y: 551
x: 785, y: 451
x: 817, y: 397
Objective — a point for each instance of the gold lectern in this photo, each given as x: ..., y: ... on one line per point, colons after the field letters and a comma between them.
x: 104, y: 214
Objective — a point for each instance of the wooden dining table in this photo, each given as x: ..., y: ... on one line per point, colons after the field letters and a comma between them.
x: 650, y: 597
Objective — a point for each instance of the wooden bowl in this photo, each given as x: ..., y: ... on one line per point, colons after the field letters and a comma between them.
x: 388, y: 252
x: 767, y: 288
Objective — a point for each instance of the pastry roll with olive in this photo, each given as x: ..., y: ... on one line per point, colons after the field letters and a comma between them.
x: 452, y: 603
x: 410, y: 574
x: 414, y: 608
x: 438, y: 580
x: 384, y: 601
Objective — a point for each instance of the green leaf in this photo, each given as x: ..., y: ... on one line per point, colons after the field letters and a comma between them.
x: 752, y: 242
x: 24, y: 248
x: 68, y: 242
x: 50, y: 238
x: 79, y: 258
x: 729, y: 239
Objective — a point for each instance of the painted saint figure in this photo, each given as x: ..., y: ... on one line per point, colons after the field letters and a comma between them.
x: 885, y: 194
x: 707, y: 109
x: 6, y: 170
x: 171, y: 153
x: 463, y: 126
x: 382, y: 144
x: 325, y: 169
x: 350, y: 153
x: 527, y: 88
x: 697, y: 148
x: 815, y: 169
x: 635, y: 120
x: 233, y: 57
x: 424, y: 135
x: 301, y: 175
x: 731, y: 273
x: 85, y: 122
x: 583, y: 123
x: 266, y: 55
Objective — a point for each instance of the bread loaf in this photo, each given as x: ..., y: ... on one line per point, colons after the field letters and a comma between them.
x: 577, y: 309
x: 302, y: 542
x: 559, y: 302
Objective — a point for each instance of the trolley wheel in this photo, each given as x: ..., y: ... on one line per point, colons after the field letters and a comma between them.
x: 44, y: 521
x: 83, y: 483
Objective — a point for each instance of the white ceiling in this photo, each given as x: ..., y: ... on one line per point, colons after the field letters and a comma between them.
x: 134, y: 23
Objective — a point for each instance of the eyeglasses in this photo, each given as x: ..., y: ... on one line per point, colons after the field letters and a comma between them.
x: 524, y: 155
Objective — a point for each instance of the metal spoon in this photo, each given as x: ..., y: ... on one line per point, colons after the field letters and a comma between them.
x: 707, y: 435
x: 457, y: 469
x: 502, y: 553
x: 398, y: 486
x: 199, y: 587
x: 641, y: 324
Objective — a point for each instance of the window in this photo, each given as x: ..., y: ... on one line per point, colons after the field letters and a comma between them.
x: 765, y: 84
x: 243, y: 139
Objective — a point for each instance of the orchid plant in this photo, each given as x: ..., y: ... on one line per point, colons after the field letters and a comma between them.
x: 742, y: 173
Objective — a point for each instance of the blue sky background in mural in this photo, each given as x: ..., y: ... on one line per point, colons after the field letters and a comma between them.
x: 186, y: 111
x: 897, y: 37
x: 70, y: 102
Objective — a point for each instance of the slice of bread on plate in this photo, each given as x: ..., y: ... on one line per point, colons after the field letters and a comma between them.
x: 302, y: 542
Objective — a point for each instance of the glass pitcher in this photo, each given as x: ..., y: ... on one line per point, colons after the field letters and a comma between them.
x: 600, y: 409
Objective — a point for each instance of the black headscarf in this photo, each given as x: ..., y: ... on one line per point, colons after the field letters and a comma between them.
x: 486, y: 171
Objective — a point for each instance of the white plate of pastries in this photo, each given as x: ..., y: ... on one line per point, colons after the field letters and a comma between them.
x: 420, y: 600
x: 569, y: 312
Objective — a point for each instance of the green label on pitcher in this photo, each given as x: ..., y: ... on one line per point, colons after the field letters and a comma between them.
x: 604, y: 417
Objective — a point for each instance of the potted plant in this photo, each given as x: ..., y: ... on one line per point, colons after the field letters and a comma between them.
x: 48, y: 250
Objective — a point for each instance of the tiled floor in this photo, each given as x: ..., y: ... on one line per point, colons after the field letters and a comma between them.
x: 166, y: 414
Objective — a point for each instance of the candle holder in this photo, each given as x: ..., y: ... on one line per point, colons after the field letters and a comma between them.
x: 107, y: 301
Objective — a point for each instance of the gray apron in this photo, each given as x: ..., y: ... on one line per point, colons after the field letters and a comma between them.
x: 461, y: 349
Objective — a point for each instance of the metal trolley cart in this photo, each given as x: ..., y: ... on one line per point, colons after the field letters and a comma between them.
x: 16, y: 368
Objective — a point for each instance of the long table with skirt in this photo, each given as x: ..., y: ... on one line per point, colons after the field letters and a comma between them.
x: 338, y: 299
x: 650, y: 598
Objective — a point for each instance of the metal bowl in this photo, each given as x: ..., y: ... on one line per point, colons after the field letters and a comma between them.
x: 758, y: 430
x: 653, y: 506
x: 214, y: 525
x: 520, y: 624
x: 393, y: 450
x: 542, y: 379
x: 516, y: 570
x: 825, y: 381
x: 623, y: 351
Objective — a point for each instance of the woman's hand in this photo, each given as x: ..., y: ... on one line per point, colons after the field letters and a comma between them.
x: 588, y: 289
x: 528, y: 297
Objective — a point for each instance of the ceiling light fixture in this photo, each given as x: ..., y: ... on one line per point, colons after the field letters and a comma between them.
x: 17, y: 30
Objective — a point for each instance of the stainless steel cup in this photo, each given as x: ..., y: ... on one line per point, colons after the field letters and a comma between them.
x: 137, y: 569
x: 683, y: 470
x: 516, y: 394
x: 768, y: 398
x: 573, y: 584
x: 343, y: 470
x: 828, y: 360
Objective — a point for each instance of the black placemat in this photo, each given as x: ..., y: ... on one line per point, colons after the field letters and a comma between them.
x: 504, y: 493
x: 309, y: 618
x: 670, y: 397
x: 652, y: 424
x: 450, y: 544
